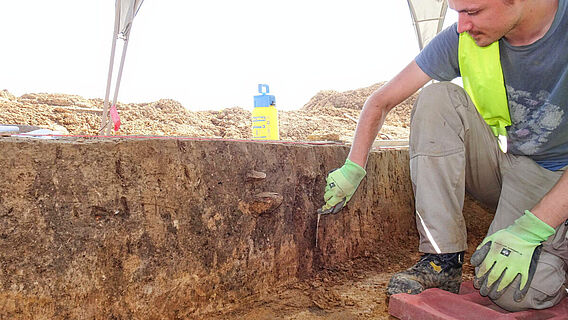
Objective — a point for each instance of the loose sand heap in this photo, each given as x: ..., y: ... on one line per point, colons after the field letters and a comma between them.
x: 329, y: 115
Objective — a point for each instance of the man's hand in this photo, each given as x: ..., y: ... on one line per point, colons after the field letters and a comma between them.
x: 341, y: 184
x: 510, y: 253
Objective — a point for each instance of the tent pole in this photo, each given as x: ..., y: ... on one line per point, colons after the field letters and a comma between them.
x: 104, y: 118
x: 415, y: 23
x: 443, y: 11
x: 117, y: 86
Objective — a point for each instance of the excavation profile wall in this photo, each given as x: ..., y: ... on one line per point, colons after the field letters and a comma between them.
x: 165, y: 228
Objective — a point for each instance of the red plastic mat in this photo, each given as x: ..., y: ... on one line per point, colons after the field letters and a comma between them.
x: 437, y: 304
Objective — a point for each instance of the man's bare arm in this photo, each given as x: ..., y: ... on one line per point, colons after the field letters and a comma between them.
x: 553, y: 208
x: 375, y: 110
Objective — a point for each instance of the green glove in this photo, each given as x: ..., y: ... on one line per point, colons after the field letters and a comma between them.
x: 509, y: 253
x: 341, y: 184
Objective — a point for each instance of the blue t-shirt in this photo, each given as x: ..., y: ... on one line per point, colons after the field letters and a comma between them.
x: 536, y: 79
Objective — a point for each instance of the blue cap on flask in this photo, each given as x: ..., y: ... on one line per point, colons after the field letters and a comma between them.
x: 264, y: 99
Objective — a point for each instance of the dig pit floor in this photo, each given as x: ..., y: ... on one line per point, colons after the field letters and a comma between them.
x: 353, y: 290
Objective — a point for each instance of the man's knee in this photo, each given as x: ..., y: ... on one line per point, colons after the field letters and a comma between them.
x: 439, y: 96
x: 437, y: 108
x: 439, y: 88
x: 546, y: 290
x: 435, y: 123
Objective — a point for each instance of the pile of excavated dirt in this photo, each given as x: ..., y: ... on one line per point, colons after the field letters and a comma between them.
x: 329, y: 115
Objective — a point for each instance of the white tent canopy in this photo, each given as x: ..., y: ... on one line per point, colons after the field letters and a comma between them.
x: 128, y: 10
x: 428, y: 18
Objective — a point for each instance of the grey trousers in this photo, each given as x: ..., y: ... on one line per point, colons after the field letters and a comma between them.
x: 452, y: 150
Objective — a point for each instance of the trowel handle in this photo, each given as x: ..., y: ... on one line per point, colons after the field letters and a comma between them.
x: 260, y: 86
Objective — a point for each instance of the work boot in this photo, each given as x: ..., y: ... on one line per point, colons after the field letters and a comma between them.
x: 442, y: 271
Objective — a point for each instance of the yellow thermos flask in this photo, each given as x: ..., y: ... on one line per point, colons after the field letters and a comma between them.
x: 265, y: 116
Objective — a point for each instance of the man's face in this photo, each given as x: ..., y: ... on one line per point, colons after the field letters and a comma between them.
x: 486, y: 20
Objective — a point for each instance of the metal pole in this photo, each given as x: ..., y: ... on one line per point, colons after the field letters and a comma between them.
x: 117, y: 86
x: 104, y: 119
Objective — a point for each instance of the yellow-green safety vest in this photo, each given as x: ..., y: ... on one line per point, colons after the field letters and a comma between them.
x: 482, y: 76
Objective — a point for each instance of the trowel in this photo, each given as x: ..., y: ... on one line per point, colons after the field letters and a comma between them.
x: 333, y: 210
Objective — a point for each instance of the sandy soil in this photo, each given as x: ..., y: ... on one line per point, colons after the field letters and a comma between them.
x: 329, y: 115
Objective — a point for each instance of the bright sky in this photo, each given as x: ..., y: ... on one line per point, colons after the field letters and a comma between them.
x: 207, y: 54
